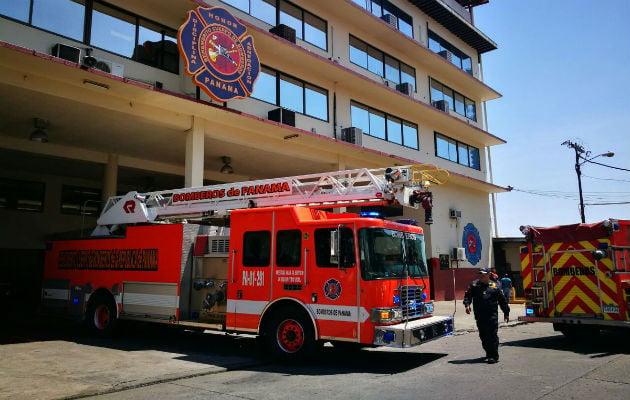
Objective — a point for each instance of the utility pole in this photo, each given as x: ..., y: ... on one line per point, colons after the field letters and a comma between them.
x: 579, y: 160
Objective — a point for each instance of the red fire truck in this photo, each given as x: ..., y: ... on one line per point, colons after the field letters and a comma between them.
x: 577, y: 276
x: 263, y: 257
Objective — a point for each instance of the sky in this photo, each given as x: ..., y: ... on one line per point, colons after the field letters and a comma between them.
x: 563, y: 70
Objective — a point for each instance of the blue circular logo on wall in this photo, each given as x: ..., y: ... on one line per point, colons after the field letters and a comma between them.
x: 472, y: 243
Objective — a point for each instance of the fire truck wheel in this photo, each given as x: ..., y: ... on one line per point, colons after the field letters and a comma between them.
x: 290, y: 335
x: 101, y: 316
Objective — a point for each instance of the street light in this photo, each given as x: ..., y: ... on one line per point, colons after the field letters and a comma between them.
x: 582, y: 156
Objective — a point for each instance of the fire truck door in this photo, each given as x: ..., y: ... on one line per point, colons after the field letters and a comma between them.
x: 249, y: 287
x: 578, y: 282
x: 333, y: 284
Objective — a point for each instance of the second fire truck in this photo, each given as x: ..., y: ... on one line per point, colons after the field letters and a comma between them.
x: 577, y: 277
x: 263, y: 257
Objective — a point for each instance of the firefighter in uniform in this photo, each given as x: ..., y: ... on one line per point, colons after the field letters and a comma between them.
x: 485, y: 295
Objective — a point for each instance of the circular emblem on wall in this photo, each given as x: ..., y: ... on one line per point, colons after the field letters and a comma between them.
x: 332, y: 289
x: 472, y: 243
x: 218, y: 54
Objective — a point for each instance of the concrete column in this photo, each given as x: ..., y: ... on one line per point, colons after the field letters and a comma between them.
x: 110, y: 178
x: 194, y: 154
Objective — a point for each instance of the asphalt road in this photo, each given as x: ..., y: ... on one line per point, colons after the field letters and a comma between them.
x: 146, y: 362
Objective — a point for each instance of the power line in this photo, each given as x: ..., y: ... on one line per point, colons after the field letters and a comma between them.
x: 609, y: 166
x: 606, y: 179
x: 606, y: 204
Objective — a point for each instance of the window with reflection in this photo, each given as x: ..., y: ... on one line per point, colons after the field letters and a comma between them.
x: 65, y: 17
x: 384, y: 126
x: 308, y: 27
x: 445, y: 99
x: 379, y: 8
x: 380, y: 63
x: 78, y: 200
x: 16, y: 9
x: 450, y: 53
x: 456, y: 151
x: 292, y: 93
x: 22, y: 195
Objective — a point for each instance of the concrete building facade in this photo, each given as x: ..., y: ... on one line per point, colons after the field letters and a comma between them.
x: 343, y: 84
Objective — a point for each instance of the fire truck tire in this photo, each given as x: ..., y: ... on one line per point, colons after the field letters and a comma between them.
x: 101, y: 316
x: 290, y: 335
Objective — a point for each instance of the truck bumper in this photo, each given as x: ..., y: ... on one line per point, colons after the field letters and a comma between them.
x: 577, y: 321
x: 413, y: 333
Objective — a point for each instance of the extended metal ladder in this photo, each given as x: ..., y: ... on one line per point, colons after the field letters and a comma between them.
x: 405, y: 185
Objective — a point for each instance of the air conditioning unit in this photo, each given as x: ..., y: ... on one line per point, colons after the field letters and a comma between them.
x: 459, y: 254
x: 391, y: 20
x: 406, y: 88
x: 66, y: 52
x: 447, y: 55
x: 352, y: 135
x: 442, y: 105
x: 284, y: 31
x: 104, y: 65
x: 455, y: 214
x: 282, y: 115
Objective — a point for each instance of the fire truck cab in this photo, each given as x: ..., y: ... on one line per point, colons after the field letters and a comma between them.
x: 297, y: 275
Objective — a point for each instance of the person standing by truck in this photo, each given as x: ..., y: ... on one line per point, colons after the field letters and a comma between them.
x: 486, y: 296
x: 506, y: 286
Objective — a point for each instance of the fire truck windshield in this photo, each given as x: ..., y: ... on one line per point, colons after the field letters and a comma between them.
x: 391, y: 254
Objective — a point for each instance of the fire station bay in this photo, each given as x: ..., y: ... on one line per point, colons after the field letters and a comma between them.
x: 100, y: 98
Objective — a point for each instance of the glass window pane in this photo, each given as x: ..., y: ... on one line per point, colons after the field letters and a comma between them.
x: 375, y: 61
x: 436, y: 91
x: 361, y: 3
x: 256, y: 249
x: 462, y: 153
x: 316, y: 102
x: 288, y: 248
x: 394, y: 130
x: 474, y: 161
x: 80, y: 200
x: 264, y: 10
x: 467, y: 65
x: 242, y: 5
x: 360, y: 117
x: 375, y: 8
x: 434, y: 43
x: 292, y: 16
x: 459, y: 104
x: 471, y: 110
x: 315, y: 31
x: 265, y: 87
x: 408, y: 75
x: 358, y: 52
x: 157, y: 47
x: 65, y: 17
x: 291, y: 94
x: 16, y: 9
x: 392, y: 69
x: 405, y: 26
x: 410, y: 135
x: 22, y: 195
x: 113, y: 31
x: 377, y: 124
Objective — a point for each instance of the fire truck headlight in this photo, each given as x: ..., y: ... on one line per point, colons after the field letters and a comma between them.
x: 385, y: 315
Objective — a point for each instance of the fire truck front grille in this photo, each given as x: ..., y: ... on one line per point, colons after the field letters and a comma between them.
x: 411, y: 301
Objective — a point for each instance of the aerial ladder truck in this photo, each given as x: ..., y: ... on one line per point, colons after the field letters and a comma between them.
x: 265, y: 257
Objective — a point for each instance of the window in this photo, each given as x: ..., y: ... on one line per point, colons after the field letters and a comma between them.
x: 450, y: 53
x: 380, y: 63
x: 446, y: 99
x: 77, y: 200
x: 379, y: 8
x: 323, y: 256
x: 256, y: 248
x: 384, y: 126
x: 308, y: 27
x: 453, y: 150
x: 288, y: 248
x: 65, y: 17
x: 22, y: 195
x: 111, y: 29
x: 294, y: 94
x: 16, y: 9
